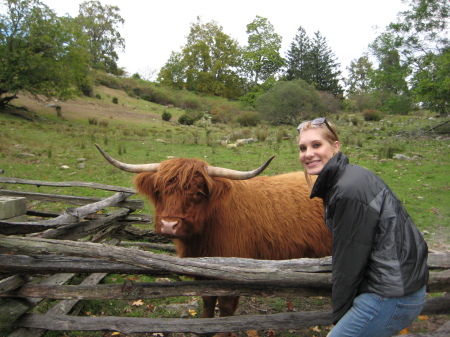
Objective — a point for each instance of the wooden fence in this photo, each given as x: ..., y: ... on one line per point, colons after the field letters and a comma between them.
x: 59, y: 249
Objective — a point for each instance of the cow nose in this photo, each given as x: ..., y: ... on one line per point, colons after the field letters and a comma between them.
x: 168, y: 227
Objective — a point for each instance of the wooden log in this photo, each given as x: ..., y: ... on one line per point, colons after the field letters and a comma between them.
x: 60, y: 308
x: 132, y: 290
x: 70, y: 216
x: 151, y: 245
x: 11, y: 283
x: 11, y: 308
x: 435, y: 305
x: 296, y: 271
x: 39, y: 183
x: 82, y: 229
x: 128, y: 325
x: 73, y: 200
x: 50, y: 264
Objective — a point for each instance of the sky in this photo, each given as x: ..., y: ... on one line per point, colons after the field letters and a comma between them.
x: 155, y: 28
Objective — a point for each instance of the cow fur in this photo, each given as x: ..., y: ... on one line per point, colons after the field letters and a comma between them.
x: 266, y: 217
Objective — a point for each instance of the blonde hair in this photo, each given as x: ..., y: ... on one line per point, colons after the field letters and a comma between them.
x: 329, y: 133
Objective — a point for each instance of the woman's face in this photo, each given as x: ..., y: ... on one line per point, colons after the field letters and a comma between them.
x: 315, y: 150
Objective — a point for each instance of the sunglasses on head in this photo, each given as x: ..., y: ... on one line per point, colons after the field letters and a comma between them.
x: 317, y: 121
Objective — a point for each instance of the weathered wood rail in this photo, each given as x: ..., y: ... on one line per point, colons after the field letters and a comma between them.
x: 50, y: 247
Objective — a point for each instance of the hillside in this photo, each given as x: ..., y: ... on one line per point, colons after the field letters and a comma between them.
x: 127, y: 109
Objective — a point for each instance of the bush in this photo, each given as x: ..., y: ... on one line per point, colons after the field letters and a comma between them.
x: 249, y: 118
x: 186, y: 120
x: 372, y: 115
x: 146, y: 97
x: 115, y: 100
x: 98, y: 96
x: 166, y: 116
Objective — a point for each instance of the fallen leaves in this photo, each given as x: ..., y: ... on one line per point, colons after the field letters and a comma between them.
x: 138, y: 303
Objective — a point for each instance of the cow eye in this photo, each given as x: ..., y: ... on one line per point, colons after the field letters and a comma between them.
x: 201, y: 194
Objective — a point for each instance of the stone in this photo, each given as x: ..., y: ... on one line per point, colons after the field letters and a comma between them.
x: 11, y: 207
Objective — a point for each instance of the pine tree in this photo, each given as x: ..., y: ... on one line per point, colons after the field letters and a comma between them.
x: 325, y: 69
x: 313, y: 61
x: 297, y: 57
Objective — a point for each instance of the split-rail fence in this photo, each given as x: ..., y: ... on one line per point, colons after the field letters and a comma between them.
x: 39, y: 257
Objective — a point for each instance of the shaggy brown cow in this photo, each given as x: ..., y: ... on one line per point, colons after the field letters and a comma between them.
x: 211, y: 211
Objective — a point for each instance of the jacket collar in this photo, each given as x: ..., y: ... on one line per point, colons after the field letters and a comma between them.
x: 329, y: 173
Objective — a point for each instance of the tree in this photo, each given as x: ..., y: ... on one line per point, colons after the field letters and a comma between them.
x: 173, y: 73
x: 207, y: 64
x: 431, y: 83
x: 360, y: 72
x: 261, y: 56
x: 325, y: 73
x: 420, y: 37
x: 289, y: 102
x: 298, y: 57
x: 40, y: 52
x: 423, y: 29
x: 313, y: 61
x: 100, y: 25
x: 390, y: 79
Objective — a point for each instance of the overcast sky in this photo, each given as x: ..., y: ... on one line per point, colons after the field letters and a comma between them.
x: 153, y: 29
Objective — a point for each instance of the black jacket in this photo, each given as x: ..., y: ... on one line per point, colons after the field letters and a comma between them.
x: 376, y: 245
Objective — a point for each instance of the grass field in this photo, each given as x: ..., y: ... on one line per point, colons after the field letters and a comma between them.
x: 132, y: 131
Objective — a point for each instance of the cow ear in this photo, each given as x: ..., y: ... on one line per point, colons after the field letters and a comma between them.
x: 144, y: 184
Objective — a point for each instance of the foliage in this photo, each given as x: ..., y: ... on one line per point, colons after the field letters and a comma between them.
x: 288, y: 102
x: 313, y: 61
x: 186, y: 119
x: 372, y: 115
x: 357, y: 102
x: 172, y: 74
x: 360, y: 72
x: 166, y: 116
x: 40, y: 52
x: 431, y: 84
x: 100, y: 26
x: 249, y: 118
x: 420, y: 38
x: 261, y: 57
x: 250, y: 96
x: 298, y: 57
x: 207, y: 63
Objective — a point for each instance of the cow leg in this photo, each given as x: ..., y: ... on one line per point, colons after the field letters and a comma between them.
x: 228, y: 305
x: 209, y: 306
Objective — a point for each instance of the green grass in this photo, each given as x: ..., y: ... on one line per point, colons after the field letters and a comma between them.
x: 421, y: 183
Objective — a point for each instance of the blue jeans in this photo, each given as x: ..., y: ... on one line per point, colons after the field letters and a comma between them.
x: 373, y: 315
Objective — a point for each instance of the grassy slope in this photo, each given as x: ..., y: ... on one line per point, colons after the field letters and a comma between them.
x: 133, y: 132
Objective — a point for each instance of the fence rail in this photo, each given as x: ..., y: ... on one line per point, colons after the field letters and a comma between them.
x: 50, y: 248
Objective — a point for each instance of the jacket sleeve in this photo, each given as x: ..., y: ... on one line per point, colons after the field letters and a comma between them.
x: 354, y: 225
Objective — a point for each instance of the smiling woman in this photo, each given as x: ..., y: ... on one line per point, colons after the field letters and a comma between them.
x: 379, y: 256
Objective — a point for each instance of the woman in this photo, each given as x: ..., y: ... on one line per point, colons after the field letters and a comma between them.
x: 379, y: 256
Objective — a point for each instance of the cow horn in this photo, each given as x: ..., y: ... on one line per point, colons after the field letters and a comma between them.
x: 237, y: 175
x: 129, y: 167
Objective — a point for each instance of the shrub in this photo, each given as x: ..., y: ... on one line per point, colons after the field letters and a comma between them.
x: 262, y: 133
x: 249, y: 118
x: 372, y: 115
x: 186, y: 119
x: 146, y: 97
x: 93, y: 121
x: 115, y: 100
x: 166, y: 116
x: 98, y: 96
